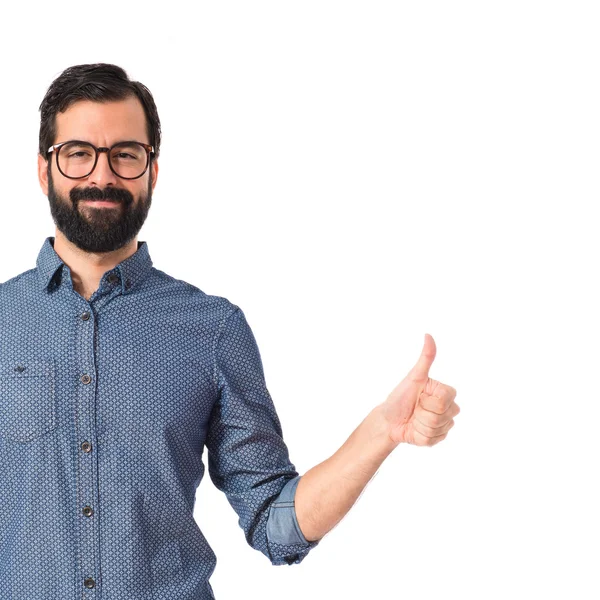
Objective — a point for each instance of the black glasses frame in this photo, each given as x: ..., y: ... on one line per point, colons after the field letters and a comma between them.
x: 149, y: 153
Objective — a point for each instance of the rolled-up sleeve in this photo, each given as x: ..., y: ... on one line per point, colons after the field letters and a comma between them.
x: 247, y: 457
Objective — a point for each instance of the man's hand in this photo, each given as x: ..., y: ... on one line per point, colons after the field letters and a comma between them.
x: 420, y: 410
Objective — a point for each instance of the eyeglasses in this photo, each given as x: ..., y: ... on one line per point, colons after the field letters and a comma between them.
x: 76, y: 159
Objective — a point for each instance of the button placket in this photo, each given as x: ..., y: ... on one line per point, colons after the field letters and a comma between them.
x: 87, y: 482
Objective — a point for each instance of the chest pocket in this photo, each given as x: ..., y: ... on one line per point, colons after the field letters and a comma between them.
x: 27, y: 399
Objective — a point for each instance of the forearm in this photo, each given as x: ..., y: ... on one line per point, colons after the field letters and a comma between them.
x: 326, y: 492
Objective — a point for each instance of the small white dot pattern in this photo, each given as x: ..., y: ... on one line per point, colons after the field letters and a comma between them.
x: 106, y: 406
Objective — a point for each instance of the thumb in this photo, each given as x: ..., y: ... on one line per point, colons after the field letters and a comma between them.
x: 420, y: 372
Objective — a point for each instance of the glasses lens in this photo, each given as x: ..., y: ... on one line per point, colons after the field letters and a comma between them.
x: 76, y: 159
x: 128, y: 159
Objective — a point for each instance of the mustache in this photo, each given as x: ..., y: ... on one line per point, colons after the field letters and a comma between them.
x: 108, y: 193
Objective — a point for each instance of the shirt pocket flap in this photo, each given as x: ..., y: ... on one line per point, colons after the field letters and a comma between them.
x: 27, y: 399
x: 26, y: 368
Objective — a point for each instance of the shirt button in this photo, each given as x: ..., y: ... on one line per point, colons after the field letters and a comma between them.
x: 86, y: 378
x: 85, y: 316
x: 113, y: 278
x: 290, y: 559
x: 86, y: 447
x: 89, y: 582
x: 88, y: 511
x: 128, y: 284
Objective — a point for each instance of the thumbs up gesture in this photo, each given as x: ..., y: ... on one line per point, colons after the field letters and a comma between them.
x: 420, y: 410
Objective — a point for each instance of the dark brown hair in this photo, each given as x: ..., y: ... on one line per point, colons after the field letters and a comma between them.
x: 100, y: 82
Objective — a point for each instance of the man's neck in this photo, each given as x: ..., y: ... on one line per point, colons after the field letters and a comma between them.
x: 87, y: 268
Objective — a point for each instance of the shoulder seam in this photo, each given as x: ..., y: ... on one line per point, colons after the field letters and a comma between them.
x: 18, y: 276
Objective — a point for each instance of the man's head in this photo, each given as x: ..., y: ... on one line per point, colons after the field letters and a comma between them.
x: 97, y: 104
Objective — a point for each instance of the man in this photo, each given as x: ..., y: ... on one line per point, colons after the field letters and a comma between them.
x: 114, y: 376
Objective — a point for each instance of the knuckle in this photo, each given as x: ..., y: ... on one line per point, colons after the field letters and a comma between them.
x: 430, y: 423
x: 439, y: 422
x: 432, y: 432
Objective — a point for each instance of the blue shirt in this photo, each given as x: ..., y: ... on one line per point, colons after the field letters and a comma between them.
x: 106, y: 406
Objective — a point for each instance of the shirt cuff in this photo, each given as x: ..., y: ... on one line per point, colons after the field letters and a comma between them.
x: 283, y: 532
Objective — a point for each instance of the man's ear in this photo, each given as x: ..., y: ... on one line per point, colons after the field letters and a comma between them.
x: 154, y: 173
x: 43, y: 173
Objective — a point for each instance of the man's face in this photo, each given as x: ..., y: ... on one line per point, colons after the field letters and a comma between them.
x: 91, y: 225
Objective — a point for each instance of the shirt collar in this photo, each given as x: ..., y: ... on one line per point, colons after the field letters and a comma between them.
x: 132, y: 270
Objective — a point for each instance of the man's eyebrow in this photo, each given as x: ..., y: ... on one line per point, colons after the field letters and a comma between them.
x: 128, y: 140
x: 121, y: 141
x: 125, y: 140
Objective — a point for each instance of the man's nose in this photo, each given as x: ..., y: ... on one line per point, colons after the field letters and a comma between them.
x: 102, y: 175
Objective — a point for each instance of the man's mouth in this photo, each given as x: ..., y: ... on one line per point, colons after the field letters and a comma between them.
x: 101, y: 202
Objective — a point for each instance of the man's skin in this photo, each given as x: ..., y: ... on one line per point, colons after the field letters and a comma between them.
x: 419, y: 410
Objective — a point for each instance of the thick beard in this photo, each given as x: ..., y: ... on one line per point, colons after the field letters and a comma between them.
x: 99, y: 229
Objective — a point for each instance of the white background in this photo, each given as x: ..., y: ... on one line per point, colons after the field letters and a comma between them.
x: 353, y: 175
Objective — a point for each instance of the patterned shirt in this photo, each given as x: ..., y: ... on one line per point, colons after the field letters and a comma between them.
x: 106, y: 406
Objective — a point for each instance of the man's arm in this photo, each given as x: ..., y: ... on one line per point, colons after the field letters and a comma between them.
x: 247, y: 457
x: 418, y: 411
x: 329, y: 490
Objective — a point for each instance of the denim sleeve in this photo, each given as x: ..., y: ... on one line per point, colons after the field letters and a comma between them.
x: 247, y: 457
